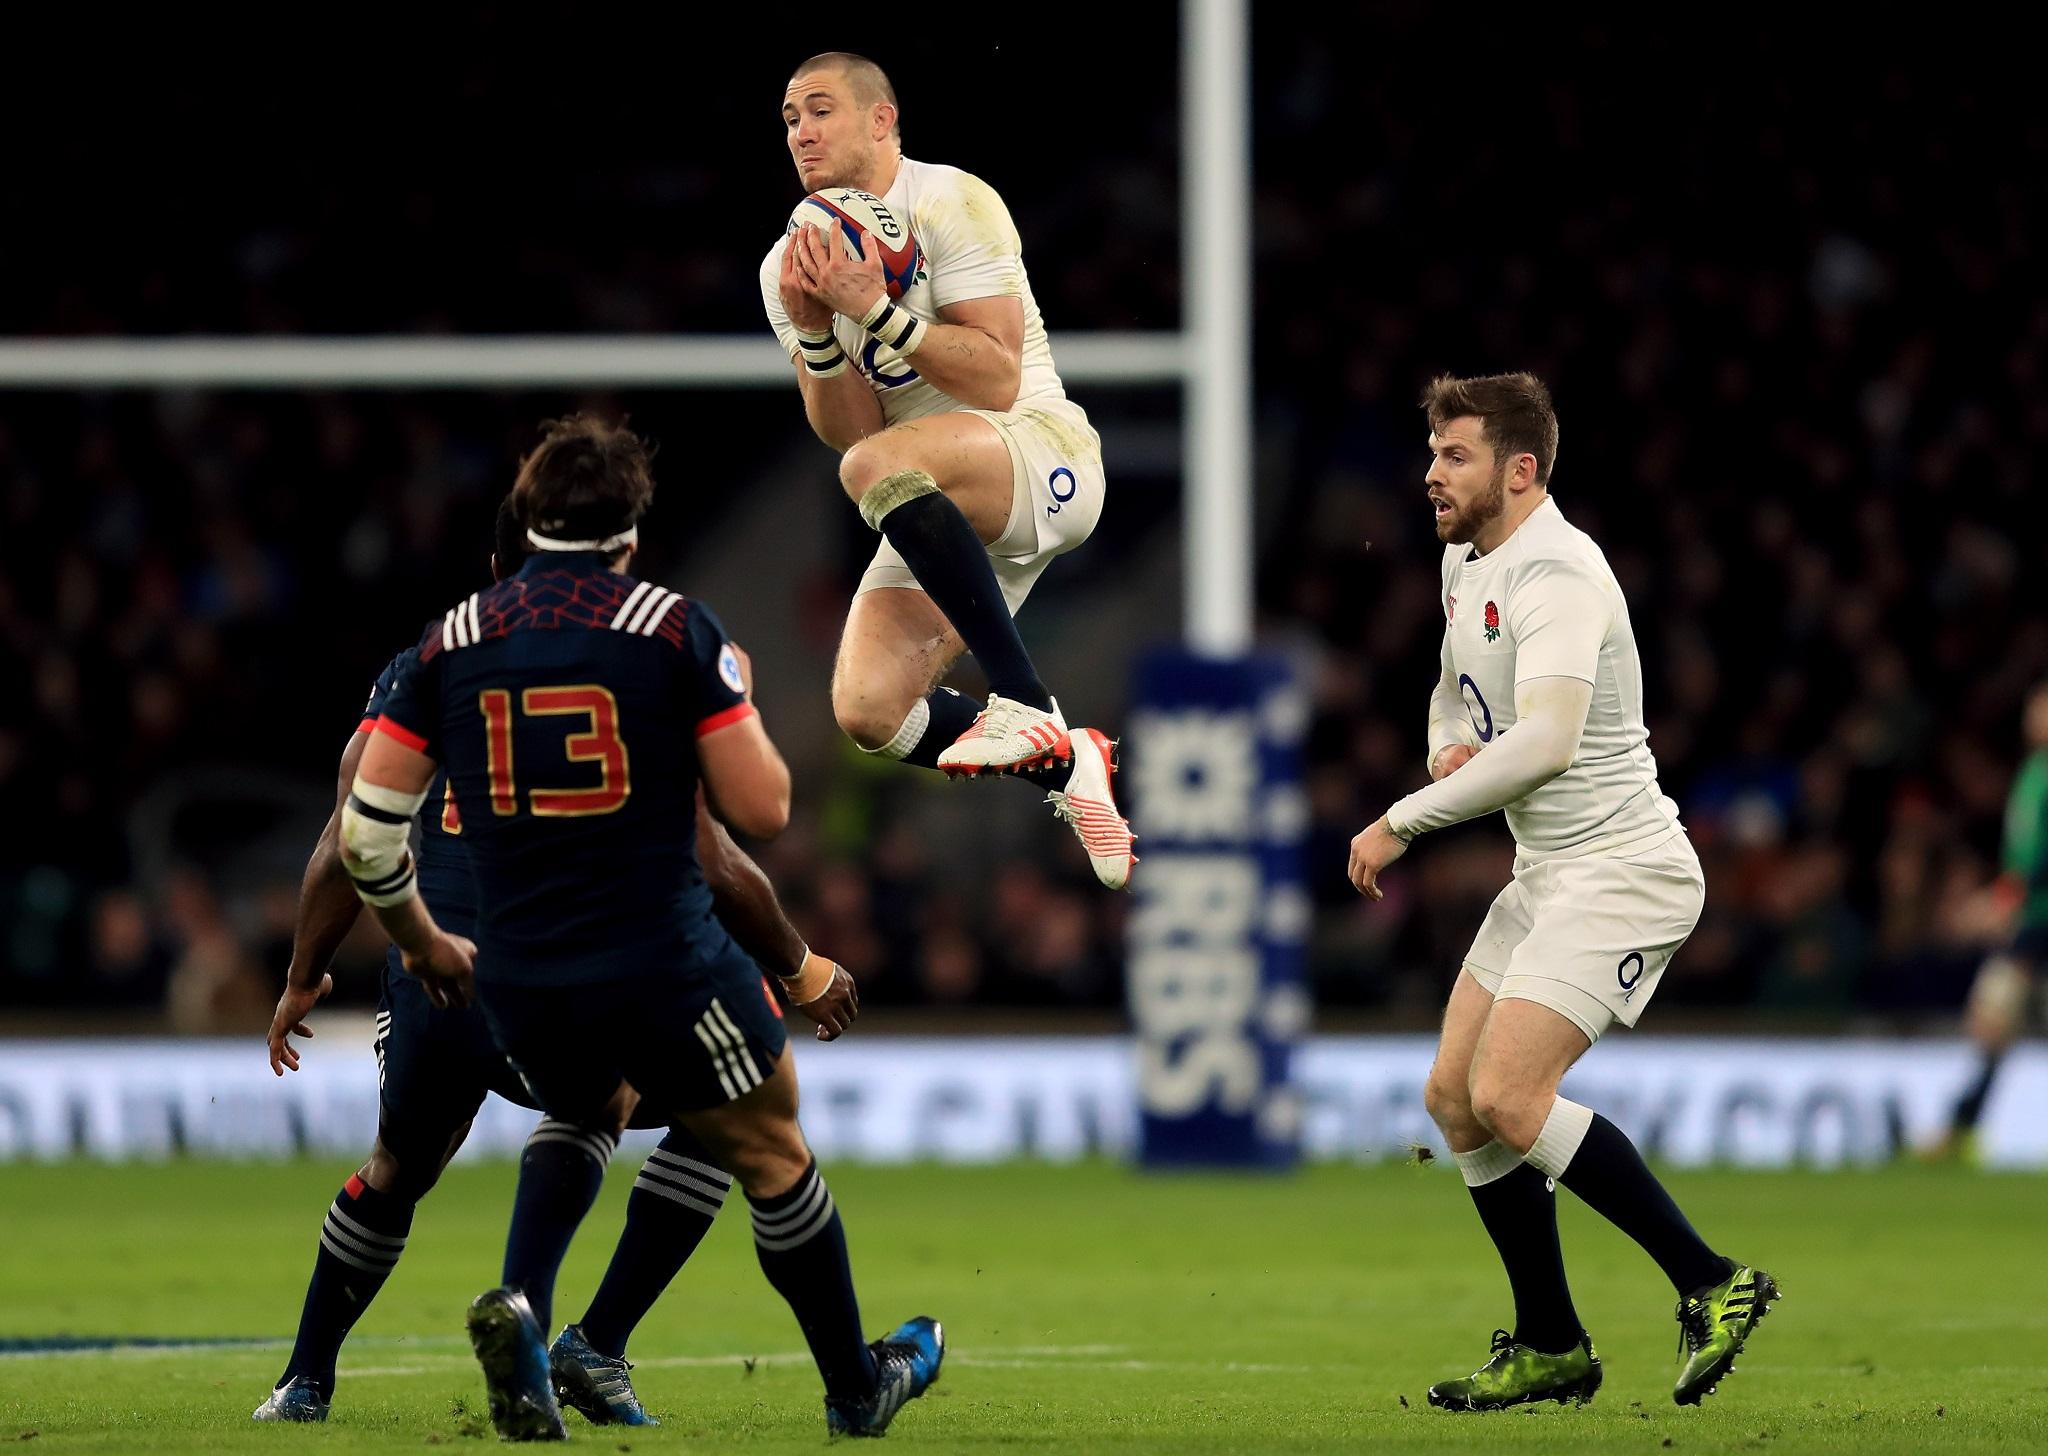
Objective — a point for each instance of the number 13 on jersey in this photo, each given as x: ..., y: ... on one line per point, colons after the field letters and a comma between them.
x: 598, y: 742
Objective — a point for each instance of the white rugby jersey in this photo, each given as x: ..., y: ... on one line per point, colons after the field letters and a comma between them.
x: 1544, y: 603
x: 971, y: 250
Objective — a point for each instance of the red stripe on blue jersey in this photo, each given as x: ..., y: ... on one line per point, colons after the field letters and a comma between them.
x: 403, y: 734
x: 737, y: 713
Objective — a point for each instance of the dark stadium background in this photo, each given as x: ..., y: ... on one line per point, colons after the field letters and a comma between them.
x: 1784, y: 283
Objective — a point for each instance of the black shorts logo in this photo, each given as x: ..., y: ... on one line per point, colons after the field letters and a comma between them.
x: 1629, y: 972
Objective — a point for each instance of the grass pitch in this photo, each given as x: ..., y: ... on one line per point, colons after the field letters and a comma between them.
x: 1088, y: 1309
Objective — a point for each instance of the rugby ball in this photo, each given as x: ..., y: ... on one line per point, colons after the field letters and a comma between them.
x: 849, y: 212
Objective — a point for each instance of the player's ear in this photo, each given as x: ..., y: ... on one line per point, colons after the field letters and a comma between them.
x: 883, y: 120
x: 496, y: 574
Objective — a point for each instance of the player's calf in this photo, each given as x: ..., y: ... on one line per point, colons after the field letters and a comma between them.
x: 361, y: 1239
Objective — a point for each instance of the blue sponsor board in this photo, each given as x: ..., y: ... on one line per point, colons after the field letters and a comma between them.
x: 1215, y: 972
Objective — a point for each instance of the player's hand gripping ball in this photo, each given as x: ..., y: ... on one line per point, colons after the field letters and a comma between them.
x: 849, y: 212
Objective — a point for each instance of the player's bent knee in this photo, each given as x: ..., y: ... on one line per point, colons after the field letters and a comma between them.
x: 867, y: 462
x: 770, y: 1162
x: 1448, y: 1100
x: 864, y: 719
x: 1507, y: 1111
x: 409, y: 1178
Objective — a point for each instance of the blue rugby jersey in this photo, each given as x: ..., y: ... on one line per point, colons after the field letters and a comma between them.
x: 446, y: 881
x: 564, y: 704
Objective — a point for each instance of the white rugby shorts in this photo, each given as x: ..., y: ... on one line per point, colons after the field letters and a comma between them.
x: 1590, y: 937
x: 1056, y: 498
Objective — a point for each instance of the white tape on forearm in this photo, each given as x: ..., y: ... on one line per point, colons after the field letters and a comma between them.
x: 823, y: 357
x: 811, y: 981
x: 376, y: 841
x: 898, y: 328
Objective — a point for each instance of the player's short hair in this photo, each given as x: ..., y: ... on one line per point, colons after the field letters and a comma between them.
x: 586, y: 480
x: 1513, y: 409
x: 869, y: 81
x: 508, y: 537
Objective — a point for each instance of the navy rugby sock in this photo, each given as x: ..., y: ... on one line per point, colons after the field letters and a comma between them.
x: 802, y: 1248
x: 951, y: 564
x: 559, y: 1176
x: 1519, y: 1208
x: 675, y: 1198
x: 360, y: 1242
x: 1610, y: 1175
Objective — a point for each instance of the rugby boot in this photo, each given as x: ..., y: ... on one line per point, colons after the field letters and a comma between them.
x: 513, y: 1352
x: 907, y: 1361
x: 593, y: 1384
x: 1088, y: 805
x: 1005, y: 736
x: 1518, y: 1375
x: 1713, y: 1325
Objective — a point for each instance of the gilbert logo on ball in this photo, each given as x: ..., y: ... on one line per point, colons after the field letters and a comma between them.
x: 853, y: 212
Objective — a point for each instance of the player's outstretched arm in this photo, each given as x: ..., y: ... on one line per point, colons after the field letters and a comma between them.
x: 328, y: 907
x: 821, y: 989
x: 376, y: 829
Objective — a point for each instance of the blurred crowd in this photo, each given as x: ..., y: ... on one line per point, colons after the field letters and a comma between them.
x: 1802, y: 394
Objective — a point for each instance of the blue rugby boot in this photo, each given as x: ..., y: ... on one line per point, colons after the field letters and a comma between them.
x: 298, y: 1399
x: 514, y: 1355
x: 593, y: 1384
x: 907, y: 1361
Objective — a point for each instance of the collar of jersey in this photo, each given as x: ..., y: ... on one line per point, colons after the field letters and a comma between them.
x: 584, y: 561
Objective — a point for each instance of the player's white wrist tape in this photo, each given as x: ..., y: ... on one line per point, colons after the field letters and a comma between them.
x: 812, y: 980
x: 900, y: 329
x: 822, y: 355
x: 376, y: 830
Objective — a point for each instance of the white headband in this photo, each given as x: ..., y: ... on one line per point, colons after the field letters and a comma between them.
x: 628, y: 537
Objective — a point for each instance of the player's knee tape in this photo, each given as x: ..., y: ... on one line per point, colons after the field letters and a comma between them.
x: 907, y: 736
x: 1563, y: 1131
x: 376, y: 834
x: 1487, y: 1165
x: 892, y: 491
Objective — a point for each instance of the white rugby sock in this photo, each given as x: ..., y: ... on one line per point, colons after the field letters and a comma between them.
x: 909, y: 734
x: 1562, y: 1133
x: 1488, y: 1164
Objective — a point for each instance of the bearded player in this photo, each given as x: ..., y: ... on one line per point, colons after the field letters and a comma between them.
x: 1606, y: 888
x: 959, y: 445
